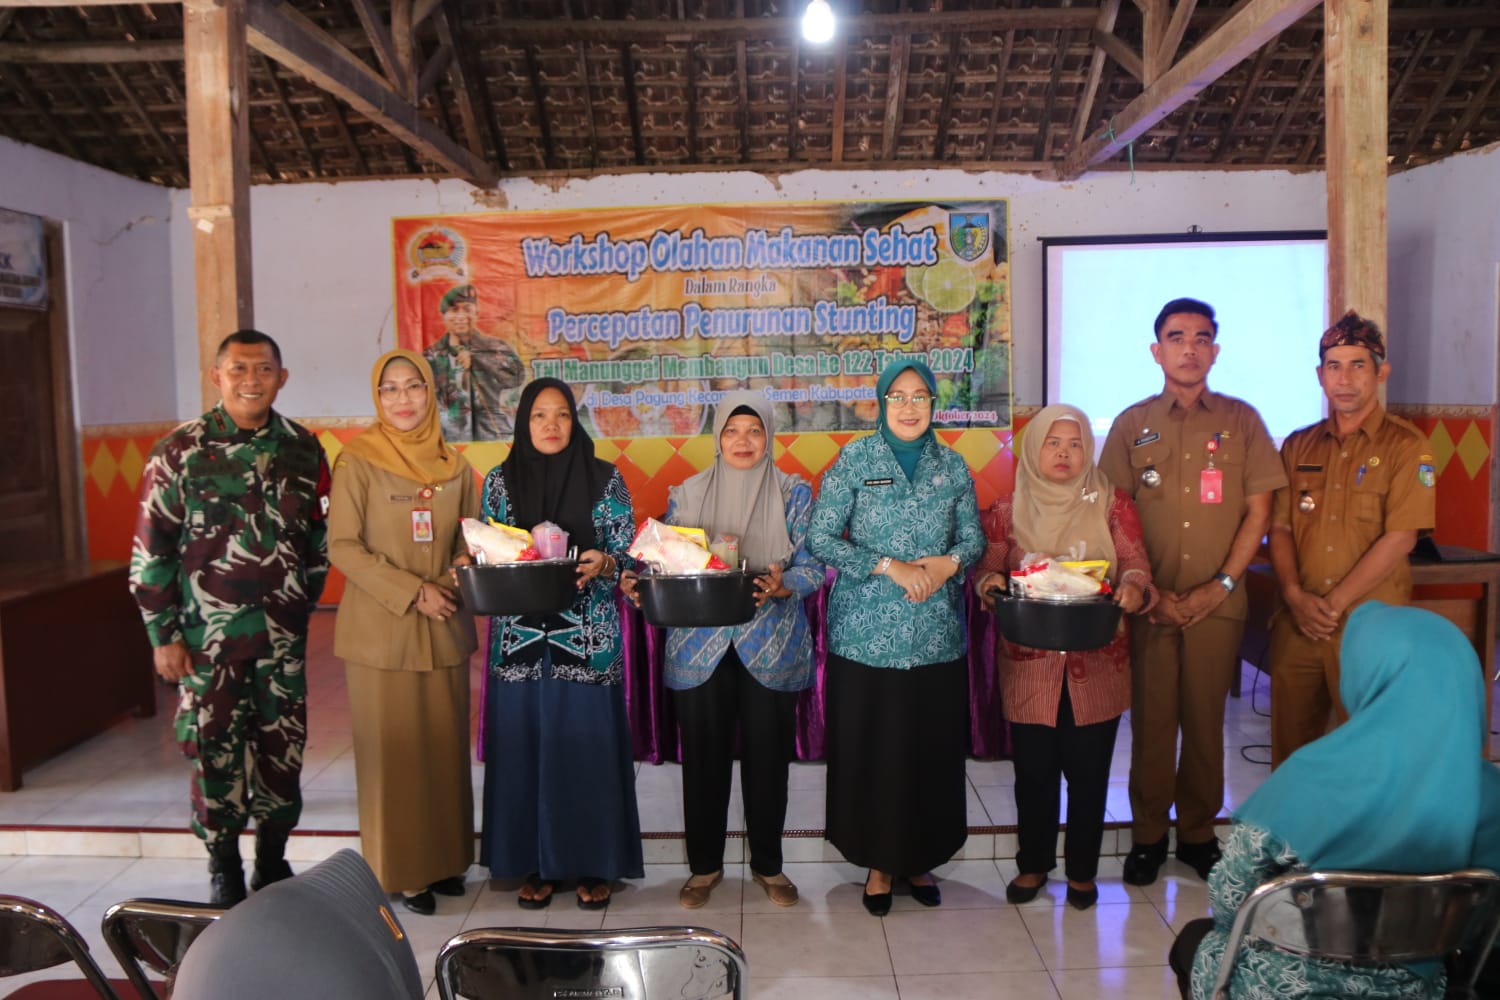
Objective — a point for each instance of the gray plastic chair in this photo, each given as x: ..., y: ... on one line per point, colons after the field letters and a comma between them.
x: 1368, y: 918
x: 153, y: 934
x: 519, y: 963
x: 34, y: 937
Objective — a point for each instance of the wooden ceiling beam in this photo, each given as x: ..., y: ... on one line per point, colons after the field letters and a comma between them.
x: 1044, y: 130
x: 1475, y: 105
x: 292, y: 40
x: 895, y: 94
x: 1177, y: 27
x: 1153, y: 30
x: 1413, y: 63
x: 1104, y: 26
x: 433, y: 70
x: 7, y: 15
x: 945, y: 107
x: 1242, y: 105
x: 278, y: 88
x: 90, y: 52
x: 172, y: 154
x: 1254, y: 23
x: 465, y: 78
x: 742, y: 78
x: 380, y: 39
x: 999, y: 96
x: 840, y: 96
x: 539, y: 101
x: 794, y: 69
x: 1294, y: 106
x: 341, y: 125
x: 404, y: 42
x: 1121, y: 53
x: 1439, y: 93
x: 690, y: 83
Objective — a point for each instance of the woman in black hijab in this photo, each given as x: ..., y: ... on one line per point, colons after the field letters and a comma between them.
x: 559, y: 781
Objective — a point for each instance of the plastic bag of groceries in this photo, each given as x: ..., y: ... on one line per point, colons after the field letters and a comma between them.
x: 1042, y: 577
x: 497, y: 543
x: 668, y: 549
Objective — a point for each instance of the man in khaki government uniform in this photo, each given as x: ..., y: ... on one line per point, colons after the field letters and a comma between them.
x: 1201, y: 468
x: 1360, y: 492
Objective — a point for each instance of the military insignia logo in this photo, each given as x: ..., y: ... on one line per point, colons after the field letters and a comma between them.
x: 1426, y: 475
x: 969, y: 234
x: 436, y: 252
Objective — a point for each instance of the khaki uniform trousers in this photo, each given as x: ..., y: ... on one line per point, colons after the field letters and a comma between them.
x: 1179, y: 681
x: 1304, y: 687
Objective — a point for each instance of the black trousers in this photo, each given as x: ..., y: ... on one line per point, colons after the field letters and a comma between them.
x: 1043, y: 755
x: 708, y: 716
x: 1180, y: 957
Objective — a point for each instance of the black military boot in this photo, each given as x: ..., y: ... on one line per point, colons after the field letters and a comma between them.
x: 270, y: 860
x: 226, y: 874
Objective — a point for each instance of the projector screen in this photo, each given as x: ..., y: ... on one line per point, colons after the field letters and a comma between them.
x: 1268, y: 290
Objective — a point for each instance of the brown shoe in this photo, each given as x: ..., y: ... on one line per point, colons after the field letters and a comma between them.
x: 696, y: 890
x: 779, y: 889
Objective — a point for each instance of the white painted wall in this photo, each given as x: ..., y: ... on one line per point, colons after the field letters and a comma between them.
x: 1445, y: 280
x: 118, y: 244
x: 323, y: 284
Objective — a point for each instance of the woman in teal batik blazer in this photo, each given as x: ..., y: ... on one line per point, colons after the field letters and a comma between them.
x: 897, y: 517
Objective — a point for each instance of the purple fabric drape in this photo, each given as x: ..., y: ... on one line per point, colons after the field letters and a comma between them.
x: 653, y: 723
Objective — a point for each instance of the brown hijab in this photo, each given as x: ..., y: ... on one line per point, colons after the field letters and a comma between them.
x: 419, y: 454
x: 1059, y: 519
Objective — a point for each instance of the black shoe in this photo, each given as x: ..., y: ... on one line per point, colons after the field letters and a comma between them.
x: 421, y: 903
x: 450, y: 886
x: 1082, y: 899
x: 270, y: 858
x: 226, y: 875
x: 267, y: 872
x: 927, y: 895
x: 1017, y: 893
x: 878, y: 904
x: 1144, y: 861
x: 1201, y: 858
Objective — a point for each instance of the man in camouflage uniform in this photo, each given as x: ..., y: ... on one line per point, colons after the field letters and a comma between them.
x: 228, y: 561
x: 478, y: 377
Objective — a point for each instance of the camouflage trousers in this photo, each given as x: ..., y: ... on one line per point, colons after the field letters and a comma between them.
x: 243, y: 724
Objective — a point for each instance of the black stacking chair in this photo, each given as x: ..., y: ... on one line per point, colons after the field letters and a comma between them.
x: 34, y: 937
x: 519, y: 963
x: 153, y: 934
x: 1369, y: 918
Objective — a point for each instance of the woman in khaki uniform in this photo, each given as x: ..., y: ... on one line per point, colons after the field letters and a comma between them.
x: 393, y: 530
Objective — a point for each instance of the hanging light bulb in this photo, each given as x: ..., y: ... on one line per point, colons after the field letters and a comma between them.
x: 817, y: 22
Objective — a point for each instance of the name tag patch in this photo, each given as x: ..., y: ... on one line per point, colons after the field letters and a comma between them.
x: 1151, y: 438
x: 1309, y: 468
x: 879, y: 482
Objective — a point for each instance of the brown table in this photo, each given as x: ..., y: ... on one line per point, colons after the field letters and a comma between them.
x: 73, y: 659
x: 1466, y: 592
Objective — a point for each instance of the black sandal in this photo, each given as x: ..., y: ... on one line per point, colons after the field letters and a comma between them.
x: 536, y: 883
x: 589, y: 884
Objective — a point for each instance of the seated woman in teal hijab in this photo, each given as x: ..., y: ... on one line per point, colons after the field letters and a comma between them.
x: 1400, y: 787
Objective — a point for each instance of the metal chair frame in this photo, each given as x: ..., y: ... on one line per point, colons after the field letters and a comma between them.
x: 1368, y: 918
x: 19, y: 915
x: 154, y: 933
x: 469, y: 949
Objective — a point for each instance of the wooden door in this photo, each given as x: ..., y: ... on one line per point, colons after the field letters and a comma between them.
x: 31, y: 508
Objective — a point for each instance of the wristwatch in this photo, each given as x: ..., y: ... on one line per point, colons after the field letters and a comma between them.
x: 1226, y: 581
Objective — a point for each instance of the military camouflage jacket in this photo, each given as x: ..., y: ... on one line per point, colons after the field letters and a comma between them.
x: 477, y: 403
x: 231, y: 534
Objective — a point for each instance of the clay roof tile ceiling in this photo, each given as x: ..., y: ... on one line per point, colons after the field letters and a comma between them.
x: 583, y: 86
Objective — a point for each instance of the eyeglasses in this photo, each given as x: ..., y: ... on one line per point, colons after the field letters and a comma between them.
x: 389, y: 390
x: 921, y: 400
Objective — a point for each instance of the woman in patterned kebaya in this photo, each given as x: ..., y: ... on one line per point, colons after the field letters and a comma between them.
x: 559, y: 779
x: 897, y: 517
x: 1064, y: 708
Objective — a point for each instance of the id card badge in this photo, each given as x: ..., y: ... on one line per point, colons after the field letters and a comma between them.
x: 1211, y: 486
x: 421, y: 524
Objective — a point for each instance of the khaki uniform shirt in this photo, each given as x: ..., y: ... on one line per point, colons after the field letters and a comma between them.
x: 1378, y: 479
x: 370, y: 541
x: 1188, y: 540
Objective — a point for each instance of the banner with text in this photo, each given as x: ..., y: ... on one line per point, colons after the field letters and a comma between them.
x: 651, y: 314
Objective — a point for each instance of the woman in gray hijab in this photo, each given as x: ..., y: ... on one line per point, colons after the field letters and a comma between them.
x: 744, y: 676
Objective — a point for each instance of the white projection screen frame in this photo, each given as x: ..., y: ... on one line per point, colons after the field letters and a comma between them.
x: 1102, y: 294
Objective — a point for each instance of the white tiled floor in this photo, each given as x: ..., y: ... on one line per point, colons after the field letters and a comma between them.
x: 132, y: 780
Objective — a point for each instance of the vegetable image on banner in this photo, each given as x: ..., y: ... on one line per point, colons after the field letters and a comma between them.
x: 651, y: 314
